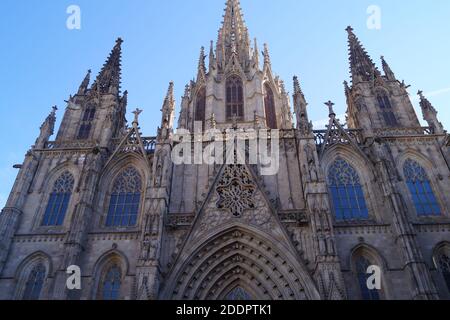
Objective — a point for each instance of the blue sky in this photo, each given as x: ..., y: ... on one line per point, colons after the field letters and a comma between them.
x: 42, y: 62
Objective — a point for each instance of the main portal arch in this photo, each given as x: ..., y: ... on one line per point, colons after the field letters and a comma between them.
x: 239, y: 258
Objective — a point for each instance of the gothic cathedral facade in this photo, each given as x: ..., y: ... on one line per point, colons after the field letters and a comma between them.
x: 102, y: 196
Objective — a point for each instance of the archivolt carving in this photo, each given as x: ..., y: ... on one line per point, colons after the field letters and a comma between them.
x: 239, y: 257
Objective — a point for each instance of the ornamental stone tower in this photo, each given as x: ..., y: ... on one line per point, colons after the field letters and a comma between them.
x: 140, y: 225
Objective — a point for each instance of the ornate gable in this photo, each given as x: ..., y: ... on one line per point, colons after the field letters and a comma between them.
x: 132, y: 142
x: 237, y: 237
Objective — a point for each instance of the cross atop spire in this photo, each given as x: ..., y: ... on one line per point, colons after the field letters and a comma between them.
x: 108, y: 80
x: 136, y: 113
x: 330, y: 105
x: 362, y: 67
x: 233, y: 36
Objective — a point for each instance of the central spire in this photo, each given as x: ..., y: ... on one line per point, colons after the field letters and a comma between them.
x: 233, y: 36
x: 361, y: 65
x: 108, y: 80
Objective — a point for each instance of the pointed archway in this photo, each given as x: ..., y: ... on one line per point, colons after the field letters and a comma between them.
x: 237, y: 239
x: 239, y: 257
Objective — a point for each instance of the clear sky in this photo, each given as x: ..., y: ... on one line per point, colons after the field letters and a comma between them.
x: 42, y: 62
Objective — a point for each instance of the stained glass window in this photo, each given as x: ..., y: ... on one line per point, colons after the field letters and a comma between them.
x: 386, y: 110
x: 235, y: 98
x: 444, y: 265
x: 346, y: 192
x: 59, y: 200
x: 35, y: 283
x: 111, y: 284
x: 86, y: 123
x: 125, y: 199
x: 238, y: 294
x: 420, y: 188
x: 362, y: 264
x: 201, y: 105
x: 269, y: 104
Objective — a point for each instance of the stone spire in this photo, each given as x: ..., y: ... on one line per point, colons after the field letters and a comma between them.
x: 233, y: 36
x: 266, y: 56
x: 300, y: 108
x: 212, y: 58
x: 362, y: 67
x: 430, y: 114
x: 108, y: 80
x: 256, y: 54
x: 47, y: 129
x: 184, y: 110
x: 347, y: 90
x: 387, y: 70
x: 85, y: 84
x: 168, y: 109
x: 201, y: 73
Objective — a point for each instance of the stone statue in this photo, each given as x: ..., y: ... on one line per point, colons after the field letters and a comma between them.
x: 312, y: 168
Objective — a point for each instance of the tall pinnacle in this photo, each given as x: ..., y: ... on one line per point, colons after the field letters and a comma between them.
x: 108, y: 80
x: 168, y: 109
x: 233, y: 36
x: 300, y: 106
x: 430, y: 114
x: 256, y: 53
x: 266, y: 55
x: 85, y: 84
x: 201, y: 64
x: 169, y: 101
x: 387, y: 70
x: 362, y: 67
x: 46, y: 129
x: 212, y: 58
x: 297, y: 88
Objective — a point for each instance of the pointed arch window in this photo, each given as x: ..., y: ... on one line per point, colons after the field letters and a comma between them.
x: 269, y: 105
x: 111, y: 283
x: 346, y: 192
x: 201, y: 106
x: 235, y: 98
x: 59, y: 200
x: 362, y: 264
x: 86, y: 123
x: 444, y: 267
x: 35, y: 283
x: 420, y: 188
x: 125, y: 199
x: 386, y: 111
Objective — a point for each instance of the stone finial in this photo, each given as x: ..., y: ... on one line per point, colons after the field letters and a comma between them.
x: 136, y: 113
x: 266, y: 55
x: 330, y: 105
